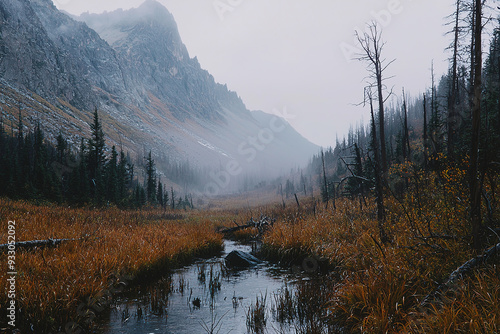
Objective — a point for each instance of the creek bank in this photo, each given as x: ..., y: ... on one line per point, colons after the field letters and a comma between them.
x: 95, y: 309
x: 207, y: 294
x: 296, y: 259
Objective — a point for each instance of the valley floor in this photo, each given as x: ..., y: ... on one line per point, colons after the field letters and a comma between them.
x: 370, y: 287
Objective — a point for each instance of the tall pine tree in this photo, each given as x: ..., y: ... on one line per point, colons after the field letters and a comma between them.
x: 96, y: 159
x: 150, y: 179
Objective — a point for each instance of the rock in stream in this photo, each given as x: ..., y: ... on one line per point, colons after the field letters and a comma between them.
x: 239, y: 259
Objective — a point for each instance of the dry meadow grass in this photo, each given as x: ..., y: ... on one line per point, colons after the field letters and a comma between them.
x: 52, y: 282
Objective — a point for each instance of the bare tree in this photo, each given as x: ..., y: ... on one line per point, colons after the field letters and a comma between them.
x: 475, y: 186
x: 378, y: 179
x: 425, y: 135
x: 372, y: 45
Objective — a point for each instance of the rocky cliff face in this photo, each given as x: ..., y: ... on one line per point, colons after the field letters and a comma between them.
x: 147, y: 42
x: 30, y: 58
x: 133, y: 66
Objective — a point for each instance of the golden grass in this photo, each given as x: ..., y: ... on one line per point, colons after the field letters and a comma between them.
x: 472, y: 308
x: 378, y: 288
x: 51, y: 283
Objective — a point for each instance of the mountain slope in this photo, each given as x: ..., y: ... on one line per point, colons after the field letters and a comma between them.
x: 30, y: 59
x: 133, y: 66
x: 147, y: 41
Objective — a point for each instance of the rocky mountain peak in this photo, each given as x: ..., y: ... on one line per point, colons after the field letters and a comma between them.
x: 133, y: 66
x: 150, y: 16
x: 152, y: 9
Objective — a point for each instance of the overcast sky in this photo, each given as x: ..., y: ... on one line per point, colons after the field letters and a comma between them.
x: 296, y: 54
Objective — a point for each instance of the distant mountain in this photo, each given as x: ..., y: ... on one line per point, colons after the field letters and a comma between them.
x: 133, y: 66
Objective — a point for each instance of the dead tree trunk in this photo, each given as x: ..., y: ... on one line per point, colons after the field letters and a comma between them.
x: 297, y: 200
x: 475, y: 186
x: 372, y: 46
x: 325, y: 184
x: 425, y: 134
x: 378, y: 179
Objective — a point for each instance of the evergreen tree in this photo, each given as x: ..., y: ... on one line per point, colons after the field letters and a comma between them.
x: 112, y: 191
x: 61, y: 147
x: 324, y: 185
x: 40, y: 182
x: 180, y: 203
x: 165, y: 199
x: 489, y: 153
x: 355, y: 184
x: 289, y: 188
x: 139, y: 196
x: 124, y: 177
x: 159, y: 195
x: 96, y: 159
x: 150, y: 179
x: 25, y: 177
x: 172, y: 198
x: 303, y: 183
x: 491, y: 115
x: 79, y: 181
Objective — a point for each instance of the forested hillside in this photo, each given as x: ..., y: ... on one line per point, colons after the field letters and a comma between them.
x: 33, y: 168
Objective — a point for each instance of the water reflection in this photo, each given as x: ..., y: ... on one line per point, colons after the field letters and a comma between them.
x: 206, y: 297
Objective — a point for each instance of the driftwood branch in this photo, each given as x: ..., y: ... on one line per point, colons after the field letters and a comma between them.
x: 262, y: 224
x: 35, y: 243
x: 462, y: 271
x: 236, y: 228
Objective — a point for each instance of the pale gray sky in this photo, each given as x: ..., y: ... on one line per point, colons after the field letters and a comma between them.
x: 279, y: 54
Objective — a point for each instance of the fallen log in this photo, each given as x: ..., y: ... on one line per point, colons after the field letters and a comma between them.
x: 460, y: 272
x: 236, y: 228
x: 261, y: 225
x: 34, y: 244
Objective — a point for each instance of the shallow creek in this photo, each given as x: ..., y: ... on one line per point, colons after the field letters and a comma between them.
x: 206, y: 297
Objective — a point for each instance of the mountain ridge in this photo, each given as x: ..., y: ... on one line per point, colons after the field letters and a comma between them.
x: 134, y: 67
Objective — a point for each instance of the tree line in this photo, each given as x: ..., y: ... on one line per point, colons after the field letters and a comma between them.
x: 455, y: 123
x: 33, y: 168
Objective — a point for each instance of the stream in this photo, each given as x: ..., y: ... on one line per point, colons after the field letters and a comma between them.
x: 206, y: 297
